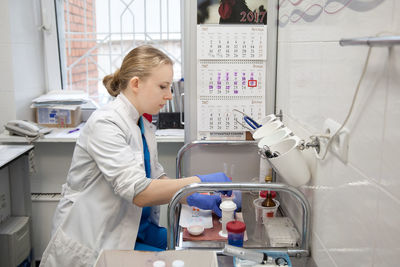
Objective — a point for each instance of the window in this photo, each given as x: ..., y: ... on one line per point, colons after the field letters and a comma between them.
x: 95, y: 35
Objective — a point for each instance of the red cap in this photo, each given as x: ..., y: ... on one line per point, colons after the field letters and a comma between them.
x: 236, y: 227
x: 264, y: 194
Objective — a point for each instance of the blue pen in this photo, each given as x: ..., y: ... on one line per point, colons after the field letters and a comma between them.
x: 74, y: 130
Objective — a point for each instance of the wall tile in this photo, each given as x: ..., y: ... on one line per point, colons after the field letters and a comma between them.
x: 366, y: 123
x: 316, y: 20
x: 320, y: 255
x: 299, y: 76
x: 6, y: 71
x: 340, y: 73
x: 294, y: 21
x: 391, y: 140
x: 283, y: 76
x: 387, y: 231
x: 357, y: 19
x: 342, y: 214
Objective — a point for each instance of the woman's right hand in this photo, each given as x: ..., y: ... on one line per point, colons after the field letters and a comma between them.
x: 218, y: 177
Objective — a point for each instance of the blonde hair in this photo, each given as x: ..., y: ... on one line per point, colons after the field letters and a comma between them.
x: 138, y: 62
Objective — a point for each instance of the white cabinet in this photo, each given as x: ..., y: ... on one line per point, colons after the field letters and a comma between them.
x: 15, y: 206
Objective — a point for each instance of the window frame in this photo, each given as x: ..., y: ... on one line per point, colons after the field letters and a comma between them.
x: 52, y: 58
x: 51, y: 9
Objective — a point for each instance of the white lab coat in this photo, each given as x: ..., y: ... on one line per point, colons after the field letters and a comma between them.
x: 107, y: 171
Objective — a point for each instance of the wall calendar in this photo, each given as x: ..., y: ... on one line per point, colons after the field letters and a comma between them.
x: 231, y: 75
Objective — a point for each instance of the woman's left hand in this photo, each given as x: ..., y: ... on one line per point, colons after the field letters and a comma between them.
x: 205, y: 202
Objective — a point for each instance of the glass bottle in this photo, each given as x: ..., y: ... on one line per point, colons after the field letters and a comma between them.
x: 268, y: 202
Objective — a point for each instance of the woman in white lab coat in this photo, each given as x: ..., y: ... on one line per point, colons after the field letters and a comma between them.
x: 115, y: 181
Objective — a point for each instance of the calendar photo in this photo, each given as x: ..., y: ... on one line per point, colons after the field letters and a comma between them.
x: 232, y: 12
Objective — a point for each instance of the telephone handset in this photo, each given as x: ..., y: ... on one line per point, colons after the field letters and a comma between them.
x: 26, y: 128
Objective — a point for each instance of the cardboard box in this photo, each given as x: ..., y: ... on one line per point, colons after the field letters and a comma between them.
x: 132, y: 258
x: 88, y: 108
x: 65, y: 116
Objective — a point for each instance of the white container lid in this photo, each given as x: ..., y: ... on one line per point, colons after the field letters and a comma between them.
x: 159, y: 263
x: 228, y: 205
x: 178, y: 263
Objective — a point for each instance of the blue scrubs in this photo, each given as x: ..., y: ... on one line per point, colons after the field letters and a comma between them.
x: 150, y: 237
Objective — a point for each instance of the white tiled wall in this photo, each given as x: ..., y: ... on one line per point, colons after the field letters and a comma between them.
x: 21, y: 59
x: 355, y: 205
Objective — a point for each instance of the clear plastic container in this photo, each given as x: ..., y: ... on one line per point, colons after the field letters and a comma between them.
x: 264, y: 213
x: 281, y: 232
x: 282, y: 235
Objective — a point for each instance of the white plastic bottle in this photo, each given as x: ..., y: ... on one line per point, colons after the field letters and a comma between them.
x: 178, y: 263
x: 228, y: 208
x: 159, y: 263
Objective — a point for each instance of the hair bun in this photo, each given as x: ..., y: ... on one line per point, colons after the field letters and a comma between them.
x: 112, y: 82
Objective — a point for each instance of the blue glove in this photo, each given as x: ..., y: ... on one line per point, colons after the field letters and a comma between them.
x: 205, y: 202
x: 218, y: 177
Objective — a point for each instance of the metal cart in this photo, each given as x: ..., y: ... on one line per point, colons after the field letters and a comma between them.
x: 175, y: 233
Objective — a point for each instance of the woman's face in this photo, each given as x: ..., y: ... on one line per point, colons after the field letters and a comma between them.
x: 155, y: 90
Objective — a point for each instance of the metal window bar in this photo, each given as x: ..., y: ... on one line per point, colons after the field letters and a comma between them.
x: 69, y: 37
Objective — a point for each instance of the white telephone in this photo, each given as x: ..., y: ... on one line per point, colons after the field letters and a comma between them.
x: 25, y: 128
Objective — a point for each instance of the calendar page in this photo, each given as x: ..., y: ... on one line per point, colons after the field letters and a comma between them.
x: 231, y: 78
x: 231, y: 42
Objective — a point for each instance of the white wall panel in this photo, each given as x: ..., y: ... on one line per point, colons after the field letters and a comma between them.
x: 355, y: 206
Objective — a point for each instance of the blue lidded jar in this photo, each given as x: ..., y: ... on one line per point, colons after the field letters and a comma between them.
x: 235, y: 233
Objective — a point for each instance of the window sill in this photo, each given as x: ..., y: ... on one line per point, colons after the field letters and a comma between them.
x: 62, y: 135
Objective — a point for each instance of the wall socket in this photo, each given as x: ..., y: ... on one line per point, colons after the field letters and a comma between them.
x: 340, y: 145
